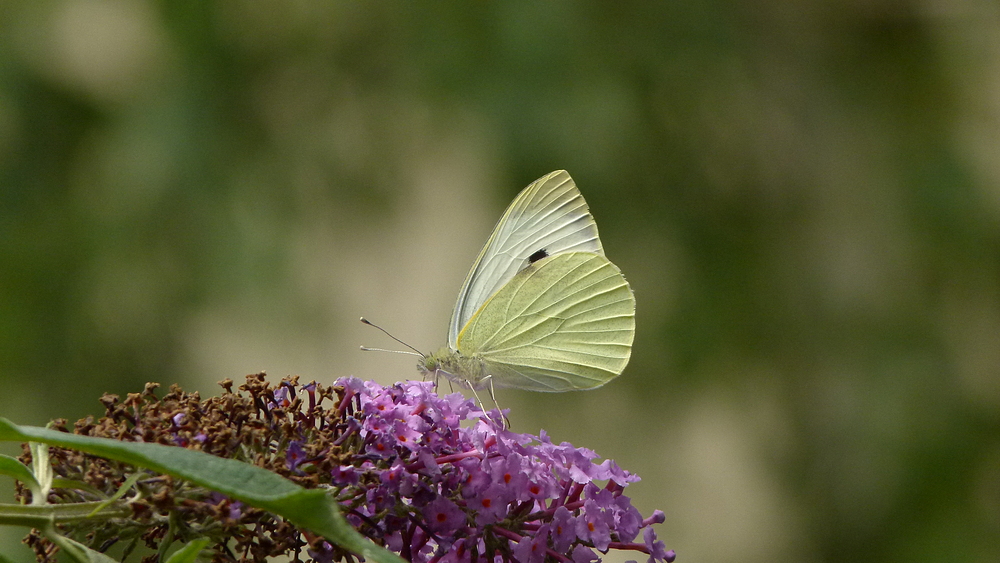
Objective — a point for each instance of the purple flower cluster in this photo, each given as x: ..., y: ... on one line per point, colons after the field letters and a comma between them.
x: 435, y: 490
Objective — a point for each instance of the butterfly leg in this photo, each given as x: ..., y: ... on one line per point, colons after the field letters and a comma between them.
x: 482, y: 406
x: 504, y: 421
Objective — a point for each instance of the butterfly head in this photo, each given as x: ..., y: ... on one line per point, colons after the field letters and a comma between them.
x: 429, y: 364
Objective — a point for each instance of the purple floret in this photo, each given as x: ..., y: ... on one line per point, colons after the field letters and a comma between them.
x: 441, y: 492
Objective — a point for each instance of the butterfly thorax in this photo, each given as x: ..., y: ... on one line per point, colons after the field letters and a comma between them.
x: 455, y: 366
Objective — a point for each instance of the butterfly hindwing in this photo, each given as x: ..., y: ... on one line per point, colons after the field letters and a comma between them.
x: 565, y: 322
x: 547, y: 218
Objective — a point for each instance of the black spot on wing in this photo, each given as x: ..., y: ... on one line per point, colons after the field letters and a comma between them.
x: 538, y: 255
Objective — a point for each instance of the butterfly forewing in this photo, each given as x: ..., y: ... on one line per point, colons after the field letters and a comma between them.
x: 564, y: 323
x: 547, y: 218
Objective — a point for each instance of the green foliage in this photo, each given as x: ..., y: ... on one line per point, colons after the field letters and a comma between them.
x: 13, y: 468
x: 189, y: 553
x: 78, y: 552
x: 312, y: 509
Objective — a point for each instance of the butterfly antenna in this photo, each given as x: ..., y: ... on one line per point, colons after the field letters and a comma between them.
x: 407, y: 352
x: 415, y: 351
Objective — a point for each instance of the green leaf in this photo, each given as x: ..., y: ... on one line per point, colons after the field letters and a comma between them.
x: 189, y: 552
x: 14, y: 468
x: 77, y: 551
x: 132, y: 480
x: 311, y: 509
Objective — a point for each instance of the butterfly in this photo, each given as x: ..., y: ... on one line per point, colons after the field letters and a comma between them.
x: 542, y: 309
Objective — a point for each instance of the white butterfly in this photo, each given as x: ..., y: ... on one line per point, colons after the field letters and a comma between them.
x: 542, y: 308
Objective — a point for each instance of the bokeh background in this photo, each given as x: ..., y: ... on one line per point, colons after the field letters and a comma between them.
x: 805, y: 197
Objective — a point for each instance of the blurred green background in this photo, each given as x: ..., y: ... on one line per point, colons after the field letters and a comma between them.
x: 805, y: 197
